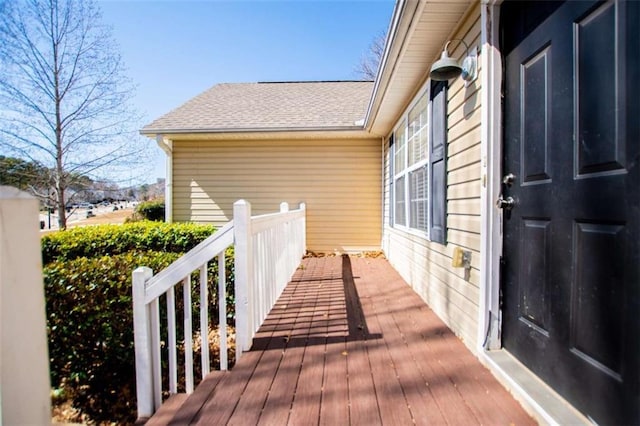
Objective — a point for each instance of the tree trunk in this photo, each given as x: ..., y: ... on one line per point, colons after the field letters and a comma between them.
x: 62, y: 212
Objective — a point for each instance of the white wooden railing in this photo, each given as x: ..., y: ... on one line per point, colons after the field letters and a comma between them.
x: 268, y: 249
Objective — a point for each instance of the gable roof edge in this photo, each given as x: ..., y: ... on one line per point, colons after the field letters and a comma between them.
x: 403, y: 14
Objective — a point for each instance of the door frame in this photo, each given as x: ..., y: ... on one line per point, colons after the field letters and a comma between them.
x: 490, y: 315
x: 539, y: 399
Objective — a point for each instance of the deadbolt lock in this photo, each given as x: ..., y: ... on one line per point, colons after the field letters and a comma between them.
x: 508, y: 179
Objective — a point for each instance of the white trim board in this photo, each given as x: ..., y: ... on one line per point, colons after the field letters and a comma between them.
x: 536, y: 397
x: 489, y: 320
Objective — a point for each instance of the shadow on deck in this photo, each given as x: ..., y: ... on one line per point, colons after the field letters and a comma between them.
x: 349, y: 342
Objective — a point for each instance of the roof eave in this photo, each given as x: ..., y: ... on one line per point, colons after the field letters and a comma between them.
x: 355, y: 132
x: 152, y: 132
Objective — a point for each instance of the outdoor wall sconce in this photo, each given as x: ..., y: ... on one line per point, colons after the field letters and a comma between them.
x: 447, y: 68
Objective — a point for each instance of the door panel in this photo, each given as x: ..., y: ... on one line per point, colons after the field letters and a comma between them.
x: 596, y: 266
x: 535, y: 91
x: 598, y: 147
x: 533, y: 279
x: 572, y: 269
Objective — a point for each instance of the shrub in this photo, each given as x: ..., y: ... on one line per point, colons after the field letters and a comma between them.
x: 151, y: 210
x: 102, y: 240
x: 90, y: 326
x: 90, y: 313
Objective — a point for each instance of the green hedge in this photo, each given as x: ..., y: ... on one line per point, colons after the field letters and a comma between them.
x: 90, y: 313
x: 90, y: 325
x: 102, y: 240
x: 151, y: 210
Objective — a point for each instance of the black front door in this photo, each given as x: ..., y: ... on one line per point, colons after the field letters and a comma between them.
x: 572, y: 210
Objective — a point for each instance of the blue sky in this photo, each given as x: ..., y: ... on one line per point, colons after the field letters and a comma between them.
x: 174, y: 50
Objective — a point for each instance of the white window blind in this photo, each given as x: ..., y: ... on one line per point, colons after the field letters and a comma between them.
x: 418, y: 199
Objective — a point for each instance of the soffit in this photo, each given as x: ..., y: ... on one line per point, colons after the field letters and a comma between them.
x: 422, y: 31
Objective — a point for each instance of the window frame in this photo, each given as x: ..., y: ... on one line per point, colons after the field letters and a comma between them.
x: 406, y: 172
x: 400, y: 133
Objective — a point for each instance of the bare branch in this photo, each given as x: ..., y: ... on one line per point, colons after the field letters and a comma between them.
x: 367, y: 68
x: 63, y: 95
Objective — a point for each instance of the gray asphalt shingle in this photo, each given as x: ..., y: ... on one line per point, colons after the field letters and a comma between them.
x: 269, y: 106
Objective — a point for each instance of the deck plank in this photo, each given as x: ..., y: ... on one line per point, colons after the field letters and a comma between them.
x: 261, y: 388
x: 168, y: 409
x: 280, y: 398
x: 189, y: 410
x: 221, y: 406
x: 350, y: 343
x: 334, y: 405
x: 363, y: 401
x: 395, y: 408
x: 306, y: 402
x: 423, y: 378
x: 308, y: 395
x: 416, y: 390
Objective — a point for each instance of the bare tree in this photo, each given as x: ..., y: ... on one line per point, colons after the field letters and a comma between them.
x: 64, y: 99
x: 367, y: 69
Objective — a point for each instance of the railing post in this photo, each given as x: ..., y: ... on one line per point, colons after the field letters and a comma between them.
x: 24, y: 360
x: 142, y: 341
x: 303, y: 207
x: 243, y: 274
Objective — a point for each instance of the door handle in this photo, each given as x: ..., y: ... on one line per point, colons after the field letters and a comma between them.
x: 505, y: 203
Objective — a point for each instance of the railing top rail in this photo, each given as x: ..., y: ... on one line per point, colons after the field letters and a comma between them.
x: 186, y: 264
x: 262, y: 222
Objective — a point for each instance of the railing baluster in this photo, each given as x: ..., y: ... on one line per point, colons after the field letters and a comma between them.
x: 284, y: 242
x: 204, y: 321
x: 222, y: 311
x: 154, y: 320
x: 171, y: 337
x: 261, y: 281
x: 188, y: 335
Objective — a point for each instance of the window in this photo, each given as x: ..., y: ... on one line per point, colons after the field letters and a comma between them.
x: 410, y: 168
x: 417, y: 163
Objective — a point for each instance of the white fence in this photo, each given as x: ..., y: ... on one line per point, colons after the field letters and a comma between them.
x: 24, y: 360
x: 273, y: 244
x: 268, y: 249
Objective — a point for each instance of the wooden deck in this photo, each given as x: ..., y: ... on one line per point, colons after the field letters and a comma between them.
x: 350, y: 343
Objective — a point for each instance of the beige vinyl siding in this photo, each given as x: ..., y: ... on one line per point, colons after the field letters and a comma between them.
x: 337, y: 179
x: 453, y: 294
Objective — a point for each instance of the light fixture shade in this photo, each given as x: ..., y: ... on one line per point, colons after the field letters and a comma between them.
x: 445, y: 68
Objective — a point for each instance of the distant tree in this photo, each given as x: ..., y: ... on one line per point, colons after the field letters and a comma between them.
x: 367, y: 69
x: 24, y: 175
x: 64, y: 100
x: 144, y: 191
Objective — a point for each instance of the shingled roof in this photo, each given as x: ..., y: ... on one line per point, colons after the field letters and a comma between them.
x: 288, y: 106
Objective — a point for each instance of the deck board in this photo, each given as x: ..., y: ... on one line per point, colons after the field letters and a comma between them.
x: 278, y: 403
x: 196, y: 400
x: 350, y: 343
